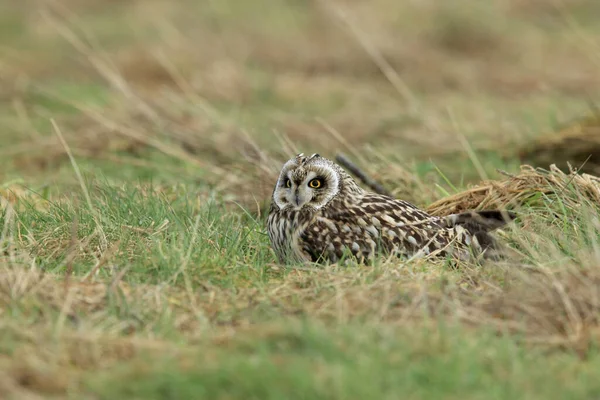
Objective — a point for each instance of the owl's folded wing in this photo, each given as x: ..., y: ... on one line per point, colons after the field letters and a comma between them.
x: 370, y: 224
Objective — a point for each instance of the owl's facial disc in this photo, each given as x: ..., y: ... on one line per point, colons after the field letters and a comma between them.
x: 306, y: 184
x: 303, y: 188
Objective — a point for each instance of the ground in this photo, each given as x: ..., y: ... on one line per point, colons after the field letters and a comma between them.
x: 140, y: 142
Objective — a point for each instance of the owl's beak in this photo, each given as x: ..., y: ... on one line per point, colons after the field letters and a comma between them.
x: 298, y: 199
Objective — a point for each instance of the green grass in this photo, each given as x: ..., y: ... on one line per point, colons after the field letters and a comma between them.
x: 163, y: 285
x: 157, y: 231
x: 355, y: 362
x: 202, y: 310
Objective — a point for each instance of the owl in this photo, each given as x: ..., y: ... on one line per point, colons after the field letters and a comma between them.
x: 320, y: 214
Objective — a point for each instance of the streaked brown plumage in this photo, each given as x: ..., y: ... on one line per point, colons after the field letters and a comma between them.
x: 319, y: 213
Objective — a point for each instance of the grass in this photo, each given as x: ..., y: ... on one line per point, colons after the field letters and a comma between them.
x: 308, y: 362
x: 149, y: 274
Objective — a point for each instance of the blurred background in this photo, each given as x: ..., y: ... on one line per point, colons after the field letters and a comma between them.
x: 220, y: 92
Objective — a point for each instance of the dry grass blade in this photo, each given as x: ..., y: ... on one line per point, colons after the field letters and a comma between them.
x: 376, y: 56
x: 518, y: 189
x: 88, y: 199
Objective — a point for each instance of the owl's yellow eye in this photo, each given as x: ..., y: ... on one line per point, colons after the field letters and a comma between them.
x: 288, y: 183
x: 315, y: 183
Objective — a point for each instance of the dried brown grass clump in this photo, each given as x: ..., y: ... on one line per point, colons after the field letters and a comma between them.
x: 70, y: 296
x: 577, y: 143
x: 550, y: 308
x: 558, y: 308
x: 554, y: 309
x: 64, y: 326
x: 519, y: 189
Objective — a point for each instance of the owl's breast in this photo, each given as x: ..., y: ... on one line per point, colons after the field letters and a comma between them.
x: 285, y: 228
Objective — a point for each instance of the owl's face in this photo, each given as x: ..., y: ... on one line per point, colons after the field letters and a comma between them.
x: 307, y: 182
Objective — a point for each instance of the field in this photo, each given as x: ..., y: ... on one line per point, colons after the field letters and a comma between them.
x: 140, y: 141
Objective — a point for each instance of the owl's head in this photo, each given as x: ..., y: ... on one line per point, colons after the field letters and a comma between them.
x: 309, y: 182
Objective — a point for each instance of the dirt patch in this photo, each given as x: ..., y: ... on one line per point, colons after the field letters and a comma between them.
x: 577, y: 143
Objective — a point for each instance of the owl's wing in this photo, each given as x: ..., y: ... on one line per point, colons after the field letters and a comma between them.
x: 371, y: 223
x: 478, y: 226
x: 485, y: 220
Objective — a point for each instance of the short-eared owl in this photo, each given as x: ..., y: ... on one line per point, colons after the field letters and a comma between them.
x: 319, y: 213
